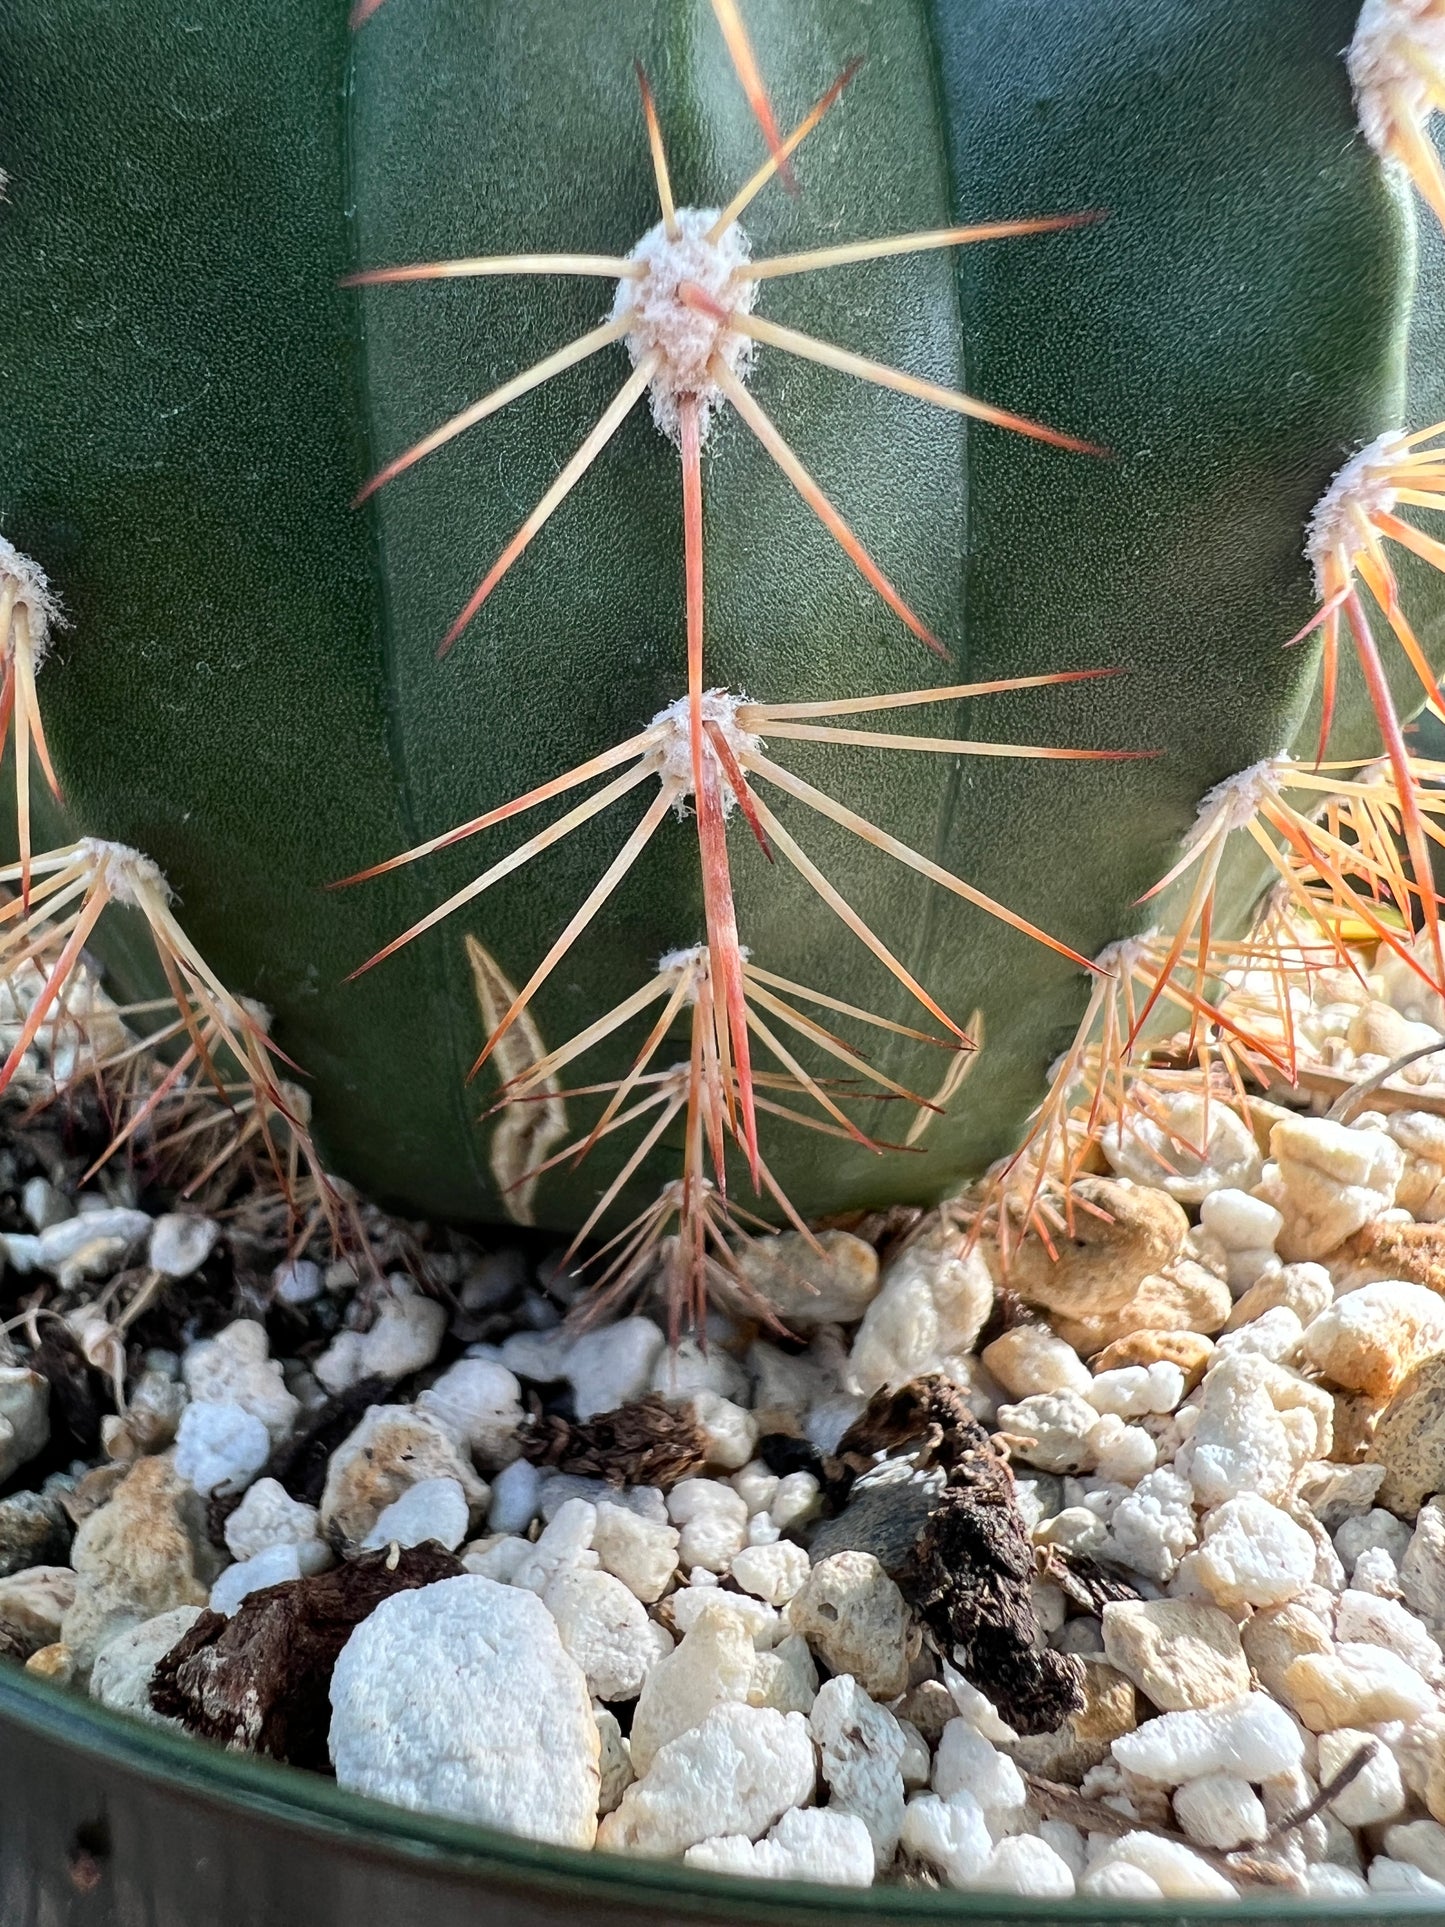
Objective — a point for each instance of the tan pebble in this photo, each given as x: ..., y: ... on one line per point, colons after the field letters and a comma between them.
x: 1385, y: 1249
x: 55, y: 1663
x: 141, y: 1554
x: 1328, y: 1180
x: 1031, y: 1358
x: 1279, y: 1635
x: 1303, y: 1289
x: 393, y: 1448
x: 1409, y: 1440
x: 929, y: 1706
x: 1355, y: 1685
x: 1083, y: 1741
x: 1190, y: 1351
x: 1371, y: 1339
x: 1180, y: 1653
x: 1380, y: 1031
x: 805, y: 1289
x: 1186, y: 1297
x: 855, y: 1619
x: 1356, y: 1417
x: 1121, y: 1233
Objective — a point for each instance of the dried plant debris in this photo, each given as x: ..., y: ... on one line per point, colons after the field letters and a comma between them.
x: 651, y: 1441
x: 261, y: 1680
x: 1083, y: 1581
x: 970, y: 1574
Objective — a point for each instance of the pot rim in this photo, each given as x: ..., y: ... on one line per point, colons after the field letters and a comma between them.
x: 309, y: 1803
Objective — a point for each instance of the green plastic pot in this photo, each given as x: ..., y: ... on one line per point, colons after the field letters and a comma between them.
x: 105, y: 1822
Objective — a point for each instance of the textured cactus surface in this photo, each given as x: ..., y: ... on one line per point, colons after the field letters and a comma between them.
x: 250, y: 688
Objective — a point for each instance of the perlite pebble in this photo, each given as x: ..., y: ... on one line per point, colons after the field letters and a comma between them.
x: 121, y: 1676
x: 610, y: 1365
x: 808, y: 1843
x: 1355, y: 1686
x: 1030, y: 1358
x: 1371, y: 1339
x: 1220, y: 1810
x: 773, y: 1572
x: 236, y: 1368
x: 459, y: 1698
x: 639, y: 1552
x: 24, y: 1417
x: 432, y: 1509
x: 713, y: 1521
x: 862, y: 1747
x: 738, y: 1772
x: 1178, y: 1873
x: 1253, y: 1555
x: 268, y: 1516
x: 515, y: 1492
x: 930, y: 1307
x: 951, y: 1835
x: 1377, y: 1792
x: 712, y: 1665
x: 1025, y: 1864
x: 1181, y: 1654
x: 1251, y: 1737
x: 273, y: 1567
x: 691, y: 1602
x: 607, y: 1631
x: 855, y: 1618
x: 220, y: 1447
x: 481, y: 1402
x: 181, y: 1242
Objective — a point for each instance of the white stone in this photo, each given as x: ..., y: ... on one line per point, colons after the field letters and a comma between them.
x: 181, y: 1242
x: 1031, y: 1358
x: 1053, y: 1430
x: 1364, y: 1618
x: 24, y: 1417
x: 1153, y: 1527
x: 1377, y: 1792
x: 1240, y: 1222
x: 1220, y: 1810
x: 1356, y: 1685
x: 691, y: 1369
x: 785, y: 1678
x: 730, y: 1432
x: 1251, y: 1737
x: 614, y: 1765
x: 930, y: 1307
x: 1177, y: 1872
x: 966, y: 1761
x: 711, y: 1667
x: 1024, y: 1864
x: 1419, y: 1843
x: 773, y: 1572
x: 1370, y: 1339
x: 1131, y: 1391
x: 1422, y: 1565
x: 607, y: 1631
x: 405, y: 1338
x: 1258, y: 1425
x: 481, y: 1402
x: 808, y: 1843
x: 273, y: 1567
x: 951, y: 1835
x: 1123, y: 1454
x: 796, y: 1500
x: 714, y: 1523
x: 639, y: 1552
x: 686, y: 1606
x: 496, y: 1557
x: 1386, y: 1876
x: 393, y: 1447
x: 121, y: 1675
x: 432, y: 1509
x: 220, y: 1447
x: 1375, y: 1528
x: 297, y: 1282
x: 268, y: 1516
x: 59, y: 1243
x: 737, y: 1772
x: 1120, y: 1880
x: 236, y: 1368
x: 1328, y: 1180
x: 515, y: 1493
x: 1253, y: 1555
x: 612, y: 1364
x: 1164, y: 1155
x: 564, y: 1544
x: 862, y: 1747
x: 459, y: 1698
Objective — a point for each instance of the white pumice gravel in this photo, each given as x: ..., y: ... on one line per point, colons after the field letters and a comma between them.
x: 678, y: 1665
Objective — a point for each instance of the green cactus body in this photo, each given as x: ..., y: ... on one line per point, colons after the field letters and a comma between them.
x: 251, y: 691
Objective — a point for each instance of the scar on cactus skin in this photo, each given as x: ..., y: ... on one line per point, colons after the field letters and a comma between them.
x: 27, y: 613
x: 72, y: 889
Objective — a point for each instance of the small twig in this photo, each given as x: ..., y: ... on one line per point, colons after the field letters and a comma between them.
x: 1344, y: 1105
x: 1097, y: 1816
x: 1331, y: 1790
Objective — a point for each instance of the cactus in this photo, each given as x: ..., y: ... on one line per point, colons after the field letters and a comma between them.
x: 869, y: 586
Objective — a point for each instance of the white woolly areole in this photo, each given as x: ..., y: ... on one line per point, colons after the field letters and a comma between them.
x: 25, y: 581
x: 687, y: 337
x: 1237, y: 800
x: 694, y: 957
x: 1121, y: 958
x: 721, y: 709
x: 1360, y: 490
x: 123, y: 870
x: 1396, y: 61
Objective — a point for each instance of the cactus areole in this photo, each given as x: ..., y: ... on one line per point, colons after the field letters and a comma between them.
x: 495, y: 403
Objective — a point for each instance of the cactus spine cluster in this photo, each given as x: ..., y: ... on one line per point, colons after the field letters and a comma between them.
x: 1040, y: 381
